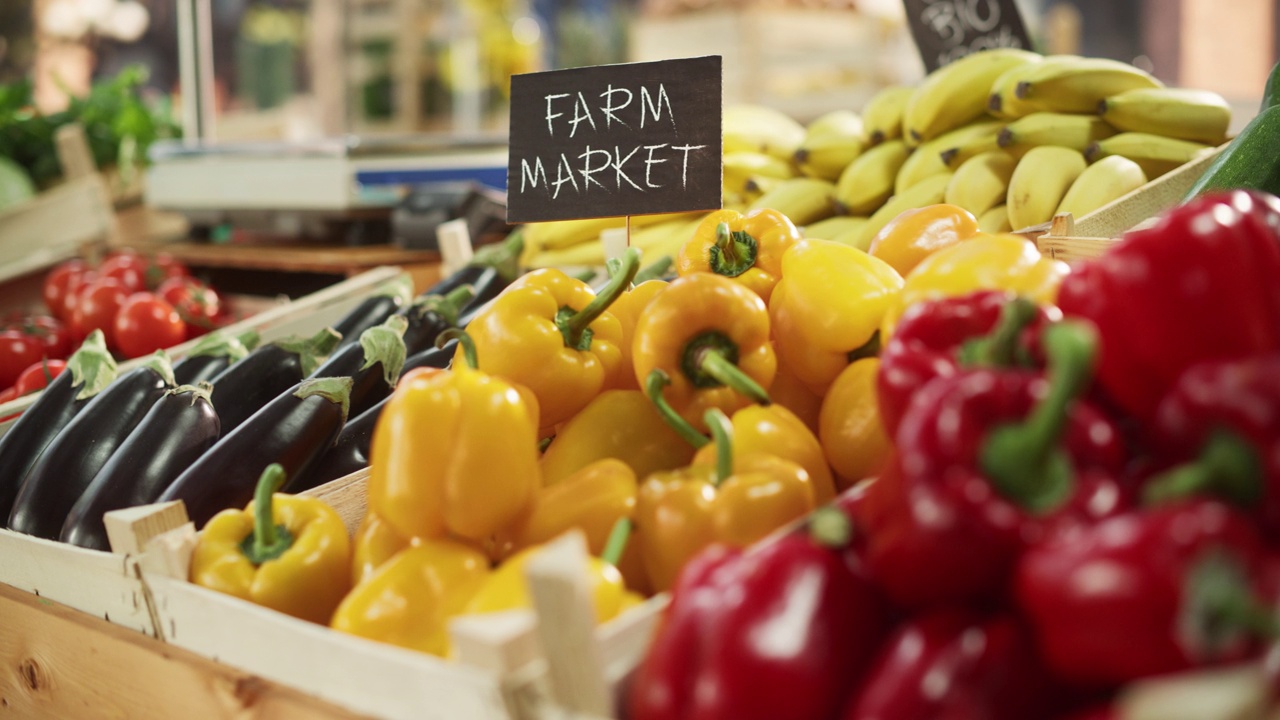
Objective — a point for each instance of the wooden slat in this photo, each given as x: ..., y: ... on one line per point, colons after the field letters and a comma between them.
x: 1126, y: 212
x: 1073, y: 249
x: 60, y: 663
x: 348, y: 495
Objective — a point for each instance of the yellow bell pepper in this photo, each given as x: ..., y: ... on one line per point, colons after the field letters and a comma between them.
x: 827, y: 308
x: 747, y: 248
x: 454, y: 454
x: 984, y: 262
x: 789, y: 392
x: 619, y: 424
x: 508, y: 589
x: 708, y: 337
x: 286, y: 552
x: 734, y: 500
x: 916, y: 234
x: 627, y: 309
x: 852, y: 435
x: 555, y: 336
x: 409, y: 599
x: 375, y: 542
x: 775, y: 430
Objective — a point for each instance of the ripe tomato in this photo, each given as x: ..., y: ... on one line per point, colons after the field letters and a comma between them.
x: 99, y: 303
x: 163, y: 267
x: 57, y: 284
x: 72, y: 298
x: 53, y: 335
x: 17, y: 352
x: 197, y: 304
x: 146, y: 323
x: 129, y: 269
x: 39, y: 375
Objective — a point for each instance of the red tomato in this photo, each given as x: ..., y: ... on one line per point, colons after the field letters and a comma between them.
x: 72, y: 299
x: 128, y: 268
x: 17, y: 352
x: 53, y: 335
x: 38, y: 376
x: 58, y: 283
x: 197, y: 304
x: 163, y: 267
x: 147, y: 323
x: 6, y: 395
x: 99, y: 303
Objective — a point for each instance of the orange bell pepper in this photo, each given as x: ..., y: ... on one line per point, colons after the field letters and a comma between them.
x: 374, y: 543
x: 627, y: 310
x: 708, y: 336
x: 852, y: 435
x: 620, y: 424
x: 789, y: 392
x: 916, y: 234
x: 747, y: 248
x: 775, y: 430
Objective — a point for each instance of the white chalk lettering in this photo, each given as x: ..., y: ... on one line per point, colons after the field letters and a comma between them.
x: 619, y: 161
x: 649, y: 162
x: 588, y: 171
x: 581, y: 112
x: 655, y: 107
x: 550, y: 115
x: 529, y: 176
x: 684, y: 171
x: 609, y: 108
x: 564, y: 174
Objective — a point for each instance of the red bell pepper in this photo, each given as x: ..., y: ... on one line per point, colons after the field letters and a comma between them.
x: 940, y: 337
x: 1147, y: 592
x: 954, y: 664
x: 990, y: 460
x: 1223, y: 420
x: 779, y: 632
x: 1102, y: 712
x: 1198, y: 285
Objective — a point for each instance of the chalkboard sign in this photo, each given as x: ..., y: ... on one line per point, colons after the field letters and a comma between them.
x: 946, y: 30
x: 612, y: 140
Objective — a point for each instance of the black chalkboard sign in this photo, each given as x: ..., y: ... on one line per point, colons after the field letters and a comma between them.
x: 946, y: 30
x: 612, y: 140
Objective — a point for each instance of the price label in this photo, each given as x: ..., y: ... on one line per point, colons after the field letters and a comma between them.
x: 613, y: 140
x: 946, y: 30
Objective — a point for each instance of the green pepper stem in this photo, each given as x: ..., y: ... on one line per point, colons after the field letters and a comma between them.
x: 468, y: 345
x: 653, y: 387
x: 617, y: 543
x: 576, y: 324
x: 722, y: 434
x: 654, y: 270
x: 717, y: 366
x: 268, y: 541
x: 1227, y: 467
x: 733, y: 252
x: 830, y: 527
x: 1023, y: 460
x: 1219, y: 604
x: 999, y: 347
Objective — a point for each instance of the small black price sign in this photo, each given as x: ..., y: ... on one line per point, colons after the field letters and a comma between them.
x: 612, y: 140
x: 946, y: 30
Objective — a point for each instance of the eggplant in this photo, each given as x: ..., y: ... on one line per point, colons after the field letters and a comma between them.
x: 84, y: 446
x: 350, y: 452
x: 88, y: 371
x: 242, y: 389
x: 373, y: 365
x: 431, y: 314
x: 294, y: 429
x: 176, y: 431
x: 375, y: 309
x: 214, y: 353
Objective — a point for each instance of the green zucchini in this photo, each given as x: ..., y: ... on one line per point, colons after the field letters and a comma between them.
x: 1252, y: 160
x: 1271, y: 95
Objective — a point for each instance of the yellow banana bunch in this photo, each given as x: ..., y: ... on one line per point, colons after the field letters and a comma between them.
x: 803, y: 200
x: 868, y: 181
x: 927, y: 159
x: 760, y: 129
x: 739, y: 167
x: 981, y: 182
x: 995, y: 220
x: 830, y: 143
x: 1156, y: 154
x: 957, y: 93
x: 1003, y: 101
x: 1100, y: 183
x: 1077, y: 85
x: 1039, y: 183
x: 844, y: 229
x: 882, y: 117
x: 1061, y: 129
x: 673, y: 231
x: 929, y: 191
x: 1196, y: 115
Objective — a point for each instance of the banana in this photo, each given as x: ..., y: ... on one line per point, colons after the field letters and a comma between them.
x: 831, y: 142
x: 1003, y: 101
x: 1039, y: 183
x: 853, y: 235
x: 1047, y: 128
x: 756, y: 128
x: 758, y: 185
x: 1156, y: 154
x: 1196, y: 115
x: 957, y: 93
x: 927, y: 159
x: 673, y: 237
x: 929, y: 191
x: 1100, y: 183
x: 671, y: 232
x: 803, y: 200
x: 882, y: 117
x: 742, y: 166
x: 982, y: 182
x: 995, y: 220
x: 1079, y: 84
x: 868, y: 181
x: 976, y: 143
x: 833, y: 227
